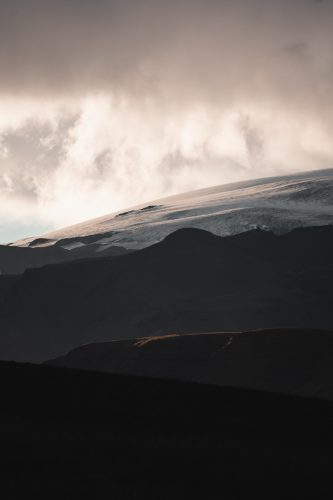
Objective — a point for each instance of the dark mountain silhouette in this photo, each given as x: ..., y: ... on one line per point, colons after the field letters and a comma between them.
x: 286, y: 361
x: 15, y: 260
x: 69, y: 434
x: 192, y: 281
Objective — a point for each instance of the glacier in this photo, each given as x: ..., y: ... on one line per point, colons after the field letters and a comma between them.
x: 278, y: 204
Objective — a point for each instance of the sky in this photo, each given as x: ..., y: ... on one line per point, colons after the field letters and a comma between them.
x: 105, y: 104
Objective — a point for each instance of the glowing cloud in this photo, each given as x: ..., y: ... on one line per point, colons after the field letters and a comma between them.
x: 107, y: 104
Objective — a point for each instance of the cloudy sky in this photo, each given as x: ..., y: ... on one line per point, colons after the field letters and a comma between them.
x: 108, y: 103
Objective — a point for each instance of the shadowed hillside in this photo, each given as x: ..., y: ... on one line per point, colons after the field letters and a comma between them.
x: 286, y: 361
x: 68, y: 434
x: 15, y: 260
x: 192, y: 281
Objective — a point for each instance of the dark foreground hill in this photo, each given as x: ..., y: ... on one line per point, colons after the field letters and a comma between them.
x: 191, y: 281
x: 286, y: 361
x: 69, y: 434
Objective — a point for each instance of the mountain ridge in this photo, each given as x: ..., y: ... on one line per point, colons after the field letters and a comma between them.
x: 242, y: 282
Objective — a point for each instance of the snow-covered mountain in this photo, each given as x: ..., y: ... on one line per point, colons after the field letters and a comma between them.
x: 277, y: 203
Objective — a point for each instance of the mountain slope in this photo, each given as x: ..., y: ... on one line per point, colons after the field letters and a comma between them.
x: 285, y: 361
x: 15, y: 260
x: 191, y: 281
x: 278, y: 203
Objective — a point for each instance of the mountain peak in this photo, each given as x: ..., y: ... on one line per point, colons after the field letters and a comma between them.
x: 190, y: 236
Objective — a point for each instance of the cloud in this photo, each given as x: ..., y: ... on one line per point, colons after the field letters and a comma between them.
x: 110, y: 103
x: 211, y: 49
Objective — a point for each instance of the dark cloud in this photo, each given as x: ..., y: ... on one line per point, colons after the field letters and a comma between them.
x: 203, y: 49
